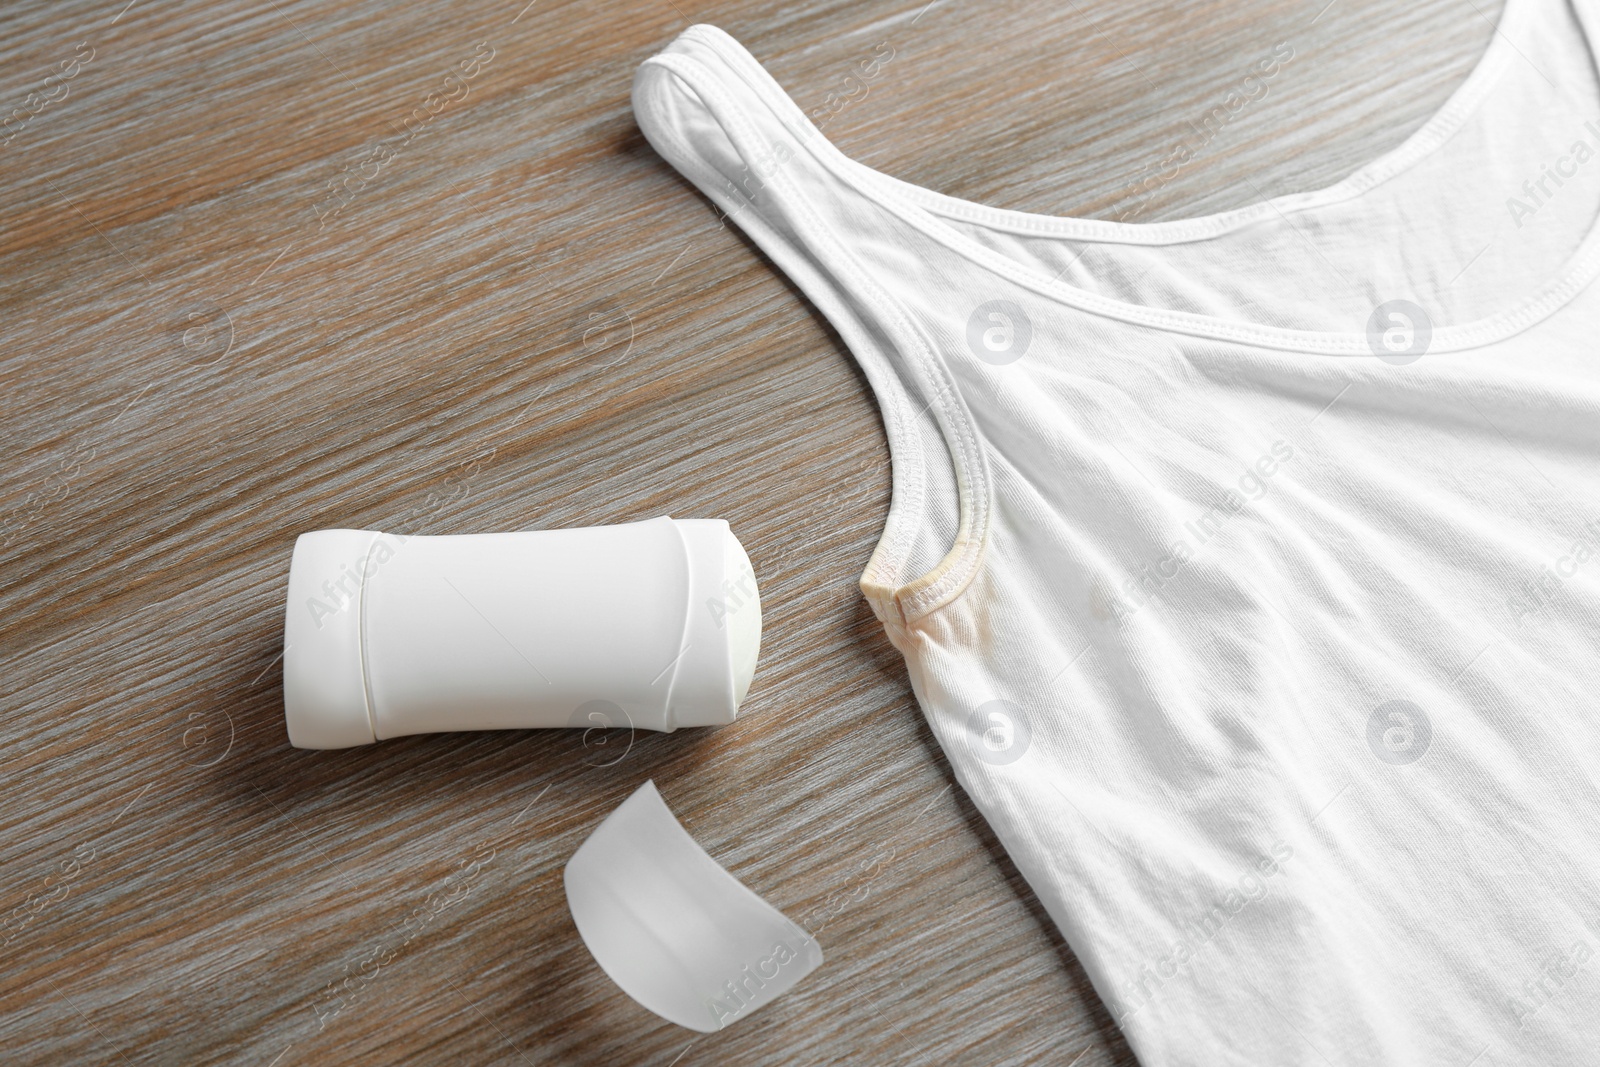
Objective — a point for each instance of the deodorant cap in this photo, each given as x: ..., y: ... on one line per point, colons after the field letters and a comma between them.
x: 673, y: 928
x: 324, y: 677
x: 744, y: 642
x: 723, y: 628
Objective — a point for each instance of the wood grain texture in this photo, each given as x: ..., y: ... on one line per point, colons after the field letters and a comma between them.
x: 519, y: 317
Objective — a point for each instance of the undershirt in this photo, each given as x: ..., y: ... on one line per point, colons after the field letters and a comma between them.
x: 1247, y: 567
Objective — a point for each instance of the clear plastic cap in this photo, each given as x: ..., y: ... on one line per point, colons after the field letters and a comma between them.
x: 672, y: 928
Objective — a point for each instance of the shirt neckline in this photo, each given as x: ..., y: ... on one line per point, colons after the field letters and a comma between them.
x: 922, y: 208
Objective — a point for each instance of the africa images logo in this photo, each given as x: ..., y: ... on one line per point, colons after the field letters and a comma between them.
x: 999, y: 332
x: 1399, y: 732
x: 999, y: 732
x: 1399, y: 332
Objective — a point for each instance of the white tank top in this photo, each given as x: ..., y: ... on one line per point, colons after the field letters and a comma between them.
x: 1246, y: 566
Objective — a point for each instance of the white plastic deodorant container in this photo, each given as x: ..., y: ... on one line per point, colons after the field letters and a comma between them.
x: 652, y: 624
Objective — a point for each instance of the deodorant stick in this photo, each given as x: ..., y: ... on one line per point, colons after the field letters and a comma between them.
x: 652, y: 624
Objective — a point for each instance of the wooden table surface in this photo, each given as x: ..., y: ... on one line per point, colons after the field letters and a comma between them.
x: 240, y: 299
